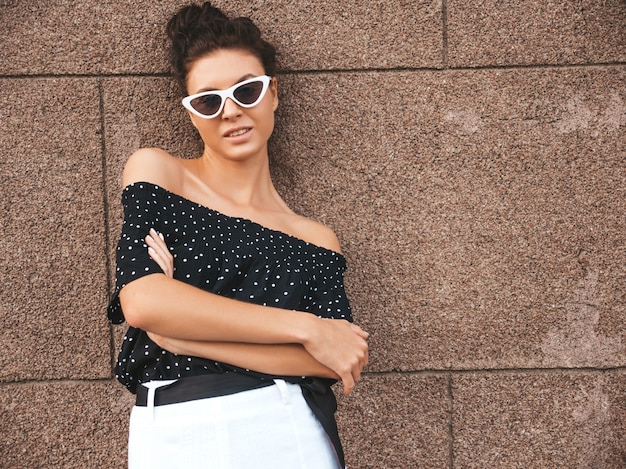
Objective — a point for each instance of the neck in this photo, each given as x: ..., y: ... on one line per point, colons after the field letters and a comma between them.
x: 245, y: 183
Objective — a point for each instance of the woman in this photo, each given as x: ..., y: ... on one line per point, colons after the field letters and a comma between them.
x: 229, y: 370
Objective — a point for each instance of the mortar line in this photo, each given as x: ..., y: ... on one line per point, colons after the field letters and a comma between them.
x: 424, y: 373
x: 44, y: 382
x: 338, y: 70
x: 88, y: 75
x: 454, y: 69
x: 501, y: 371
x: 106, y: 221
x: 450, y: 424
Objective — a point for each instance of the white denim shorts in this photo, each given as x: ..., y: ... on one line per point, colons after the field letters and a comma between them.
x: 267, y: 428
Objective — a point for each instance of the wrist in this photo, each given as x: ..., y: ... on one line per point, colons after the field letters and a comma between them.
x: 304, y: 327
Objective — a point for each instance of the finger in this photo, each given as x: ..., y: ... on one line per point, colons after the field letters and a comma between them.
x: 348, y: 384
x: 359, y: 331
x: 154, y: 252
x: 158, y: 243
x: 158, y: 237
x: 162, y: 263
x: 158, y: 252
x: 151, y: 242
x: 156, y: 257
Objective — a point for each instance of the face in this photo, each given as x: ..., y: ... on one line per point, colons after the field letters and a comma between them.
x: 236, y: 132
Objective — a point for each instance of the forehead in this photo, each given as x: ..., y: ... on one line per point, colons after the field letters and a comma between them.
x: 221, y: 69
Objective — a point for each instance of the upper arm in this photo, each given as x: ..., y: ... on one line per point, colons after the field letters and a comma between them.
x: 151, y: 165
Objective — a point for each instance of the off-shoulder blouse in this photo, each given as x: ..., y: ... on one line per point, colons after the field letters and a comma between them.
x: 229, y: 256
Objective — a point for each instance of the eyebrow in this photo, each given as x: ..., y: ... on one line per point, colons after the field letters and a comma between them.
x: 243, y: 78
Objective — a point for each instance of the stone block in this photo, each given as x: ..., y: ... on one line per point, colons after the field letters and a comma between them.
x: 503, y: 33
x: 113, y: 37
x: 482, y: 219
x: 83, y: 37
x: 64, y: 424
x: 54, y: 280
x: 351, y: 34
x: 396, y: 421
x: 538, y: 419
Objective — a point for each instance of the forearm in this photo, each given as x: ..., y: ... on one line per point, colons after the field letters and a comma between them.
x: 168, y: 307
x: 175, y: 309
x: 281, y: 359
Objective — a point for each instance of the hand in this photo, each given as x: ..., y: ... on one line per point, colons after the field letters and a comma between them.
x: 158, y: 252
x: 341, y: 346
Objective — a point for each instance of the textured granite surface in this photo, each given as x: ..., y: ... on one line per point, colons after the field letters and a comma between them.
x: 404, y: 419
x: 53, y: 263
x: 557, y: 419
x: 69, y: 425
x: 83, y: 37
x: 121, y: 36
x: 495, y: 32
x: 315, y: 35
x: 485, y: 216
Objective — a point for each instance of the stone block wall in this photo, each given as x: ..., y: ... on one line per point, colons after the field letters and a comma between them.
x: 471, y: 157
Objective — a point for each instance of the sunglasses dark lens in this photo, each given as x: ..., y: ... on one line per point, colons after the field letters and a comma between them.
x: 249, y: 93
x: 207, y: 105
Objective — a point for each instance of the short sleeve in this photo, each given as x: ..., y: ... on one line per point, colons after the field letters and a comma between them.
x: 330, y: 299
x: 142, y: 211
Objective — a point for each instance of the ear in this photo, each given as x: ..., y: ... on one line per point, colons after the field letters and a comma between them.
x: 274, y: 91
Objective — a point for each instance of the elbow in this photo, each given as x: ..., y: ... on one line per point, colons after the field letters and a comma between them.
x: 135, y: 302
x: 133, y: 313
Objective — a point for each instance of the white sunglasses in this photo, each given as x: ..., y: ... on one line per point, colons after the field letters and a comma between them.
x: 209, y: 104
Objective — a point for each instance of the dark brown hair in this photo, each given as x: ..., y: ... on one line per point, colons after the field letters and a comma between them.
x: 196, y: 31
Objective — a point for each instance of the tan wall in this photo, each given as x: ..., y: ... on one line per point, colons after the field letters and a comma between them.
x: 470, y: 155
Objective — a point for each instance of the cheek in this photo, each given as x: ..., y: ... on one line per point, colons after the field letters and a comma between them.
x: 207, y: 131
x: 267, y: 120
x: 269, y: 109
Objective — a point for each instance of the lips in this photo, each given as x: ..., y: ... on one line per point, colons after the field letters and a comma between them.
x: 237, y: 132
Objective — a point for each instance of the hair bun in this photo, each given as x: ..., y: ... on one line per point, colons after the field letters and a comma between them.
x: 192, y: 19
x: 195, y: 31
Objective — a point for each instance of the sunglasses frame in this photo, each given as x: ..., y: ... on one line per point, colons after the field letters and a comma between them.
x: 227, y: 93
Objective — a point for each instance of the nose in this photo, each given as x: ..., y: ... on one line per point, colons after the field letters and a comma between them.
x: 231, y: 109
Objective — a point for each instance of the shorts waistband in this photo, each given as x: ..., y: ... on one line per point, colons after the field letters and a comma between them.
x: 199, y: 387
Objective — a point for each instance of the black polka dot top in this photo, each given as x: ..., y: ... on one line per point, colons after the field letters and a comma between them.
x: 229, y: 256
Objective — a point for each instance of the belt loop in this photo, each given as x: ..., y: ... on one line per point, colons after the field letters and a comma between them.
x: 152, y: 387
x: 150, y: 401
x: 284, y: 391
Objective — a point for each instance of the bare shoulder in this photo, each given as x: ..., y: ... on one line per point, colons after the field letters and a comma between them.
x: 152, y: 165
x: 317, y: 233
